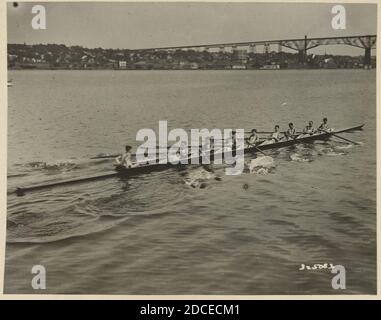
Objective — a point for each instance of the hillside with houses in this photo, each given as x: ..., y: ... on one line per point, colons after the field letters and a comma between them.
x: 59, y: 56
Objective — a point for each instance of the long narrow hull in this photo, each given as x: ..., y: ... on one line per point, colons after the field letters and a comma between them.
x: 250, y: 150
x: 306, y: 139
x: 126, y: 172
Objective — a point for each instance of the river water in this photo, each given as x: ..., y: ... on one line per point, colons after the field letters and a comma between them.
x: 154, y: 234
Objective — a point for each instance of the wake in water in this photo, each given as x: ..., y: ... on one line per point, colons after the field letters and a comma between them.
x: 59, y: 216
x: 333, y: 153
x: 197, y: 178
x: 82, y: 166
x: 261, y: 165
x: 56, y: 228
x: 57, y: 166
x: 60, y: 220
x: 344, y: 146
x: 307, y: 153
x: 299, y: 158
x: 63, y: 165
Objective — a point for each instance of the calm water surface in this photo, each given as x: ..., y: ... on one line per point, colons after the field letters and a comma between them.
x: 153, y: 234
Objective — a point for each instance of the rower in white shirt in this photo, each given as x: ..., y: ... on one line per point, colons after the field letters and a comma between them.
x: 291, y: 132
x: 324, y: 125
x: 309, y: 129
x: 253, y: 139
x: 276, y: 136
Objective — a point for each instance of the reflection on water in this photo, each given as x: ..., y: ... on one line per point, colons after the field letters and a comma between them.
x: 194, y: 231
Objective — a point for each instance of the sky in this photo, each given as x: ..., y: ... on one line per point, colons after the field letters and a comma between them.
x: 147, y: 25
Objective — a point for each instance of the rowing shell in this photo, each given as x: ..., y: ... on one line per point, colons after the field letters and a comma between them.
x: 163, y: 166
x: 305, y: 139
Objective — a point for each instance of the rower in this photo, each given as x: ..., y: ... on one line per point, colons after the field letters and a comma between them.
x: 208, y: 146
x: 183, y: 150
x: 234, y: 143
x: 228, y: 142
x: 275, y: 137
x: 291, y: 131
x: 309, y: 129
x: 253, y: 139
x: 125, y: 160
x: 324, y: 125
x: 180, y: 154
x: 211, y: 143
x: 174, y: 158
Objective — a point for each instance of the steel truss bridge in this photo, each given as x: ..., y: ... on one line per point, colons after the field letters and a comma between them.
x: 366, y: 42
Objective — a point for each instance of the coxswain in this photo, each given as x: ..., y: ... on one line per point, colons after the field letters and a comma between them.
x: 125, y: 160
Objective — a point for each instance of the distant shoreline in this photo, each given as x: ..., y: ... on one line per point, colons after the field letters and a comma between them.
x: 193, y: 70
x: 61, y: 57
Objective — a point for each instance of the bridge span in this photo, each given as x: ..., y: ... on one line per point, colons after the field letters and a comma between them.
x: 366, y: 42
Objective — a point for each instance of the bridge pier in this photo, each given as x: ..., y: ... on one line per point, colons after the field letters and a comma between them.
x: 301, y: 56
x: 303, y: 52
x: 367, y: 58
x: 266, y: 50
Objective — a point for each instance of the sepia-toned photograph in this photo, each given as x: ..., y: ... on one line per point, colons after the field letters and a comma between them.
x: 191, y: 148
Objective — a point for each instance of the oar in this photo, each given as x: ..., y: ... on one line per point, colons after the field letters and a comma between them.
x: 108, y: 156
x: 269, y: 132
x: 337, y: 136
x: 117, y: 155
x: 105, y: 156
x: 256, y: 148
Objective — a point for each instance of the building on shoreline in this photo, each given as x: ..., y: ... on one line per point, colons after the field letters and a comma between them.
x: 52, y: 56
